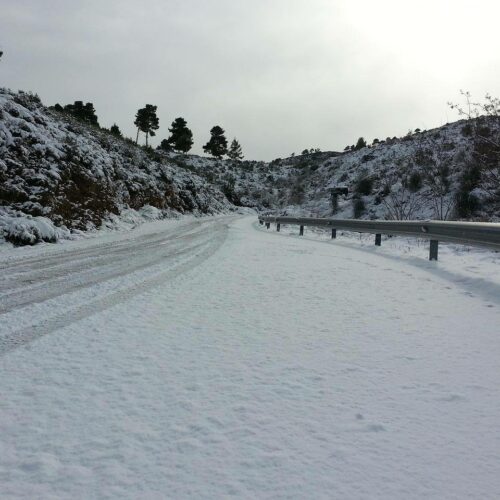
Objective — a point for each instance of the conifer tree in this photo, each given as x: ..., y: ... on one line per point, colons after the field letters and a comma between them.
x: 165, y: 145
x: 360, y: 144
x: 235, y: 152
x: 181, y: 138
x: 83, y: 112
x: 147, y: 121
x: 217, y: 145
x: 115, y: 130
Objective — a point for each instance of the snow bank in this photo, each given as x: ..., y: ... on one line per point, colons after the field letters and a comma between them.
x: 21, y: 229
x: 27, y: 230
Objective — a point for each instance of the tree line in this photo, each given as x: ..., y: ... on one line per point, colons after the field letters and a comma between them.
x: 147, y: 121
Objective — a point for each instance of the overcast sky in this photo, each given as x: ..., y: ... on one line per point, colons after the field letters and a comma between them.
x: 280, y: 75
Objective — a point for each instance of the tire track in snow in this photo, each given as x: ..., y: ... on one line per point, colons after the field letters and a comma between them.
x: 43, y: 285
x: 16, y: 267
x: 187, y: 259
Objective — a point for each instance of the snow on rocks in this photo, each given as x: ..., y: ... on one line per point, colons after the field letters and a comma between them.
x: 29, y: 231
x: 302, y: 184
x: 20, y: 229
x: 79, y: 176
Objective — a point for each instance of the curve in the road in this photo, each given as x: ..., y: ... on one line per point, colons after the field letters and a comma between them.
x: 190, y: 246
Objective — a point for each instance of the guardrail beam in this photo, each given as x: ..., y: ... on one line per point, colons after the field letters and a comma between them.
x: 481, y: 234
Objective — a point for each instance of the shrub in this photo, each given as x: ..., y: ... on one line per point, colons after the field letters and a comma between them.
x: 296, y: 196
x: 79, y: 198
x: 26, y: 99
x: 466, y: 130
x: 423, y: 157
x: 466, y: 203
x: 358, y: 208
x: 228, y: 188
x: 364, y: 185
x: 29, y: 231
x: 415, y: 182
x: 484, y: 131
x: 360, y: 144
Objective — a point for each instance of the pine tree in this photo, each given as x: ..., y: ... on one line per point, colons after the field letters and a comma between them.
x: 115, y: 130
x: 181, y: 138
x: 147, y: 121
x: 217, y: 145
x: 360, y: 144
x: 165, y: 145
x: 83, y: 112
x: 235, y: 152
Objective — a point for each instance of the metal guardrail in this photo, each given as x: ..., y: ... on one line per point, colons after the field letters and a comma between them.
x: 482, y: 234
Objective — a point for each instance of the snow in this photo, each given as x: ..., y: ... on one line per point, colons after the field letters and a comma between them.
x: 27, y: 230
x: 43, y: 153
x: 82, y: 177
x: 210, y: 358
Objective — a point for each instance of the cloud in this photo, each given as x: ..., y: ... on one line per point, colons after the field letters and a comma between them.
x: 281, y: 75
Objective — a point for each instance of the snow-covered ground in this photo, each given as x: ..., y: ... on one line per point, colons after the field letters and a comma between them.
x: 210, y: 358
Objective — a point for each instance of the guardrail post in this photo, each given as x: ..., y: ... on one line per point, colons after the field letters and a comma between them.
x: 334, y: 234
x: 378, y: 239
x: 433, y: 250
x: 268, y: 225
x: 278, y: 225
x: 301, y: 233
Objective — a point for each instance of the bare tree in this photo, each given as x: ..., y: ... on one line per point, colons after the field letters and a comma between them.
x: 439, y: 183
x: 437, y: 178
x: 401, y: 203
x: 483, y: 125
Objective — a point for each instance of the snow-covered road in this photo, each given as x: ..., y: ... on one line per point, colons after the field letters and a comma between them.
x: 212, y: 359
x: 105, y: 270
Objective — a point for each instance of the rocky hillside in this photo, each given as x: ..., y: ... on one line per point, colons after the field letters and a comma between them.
x: 55, y: 171
x: 58, y: 175
x: 452, y: 172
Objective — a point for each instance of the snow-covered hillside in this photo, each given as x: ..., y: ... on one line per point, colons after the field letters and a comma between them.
x: 57, y: 175
x: 431, y: 174
x: 55, y: 171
